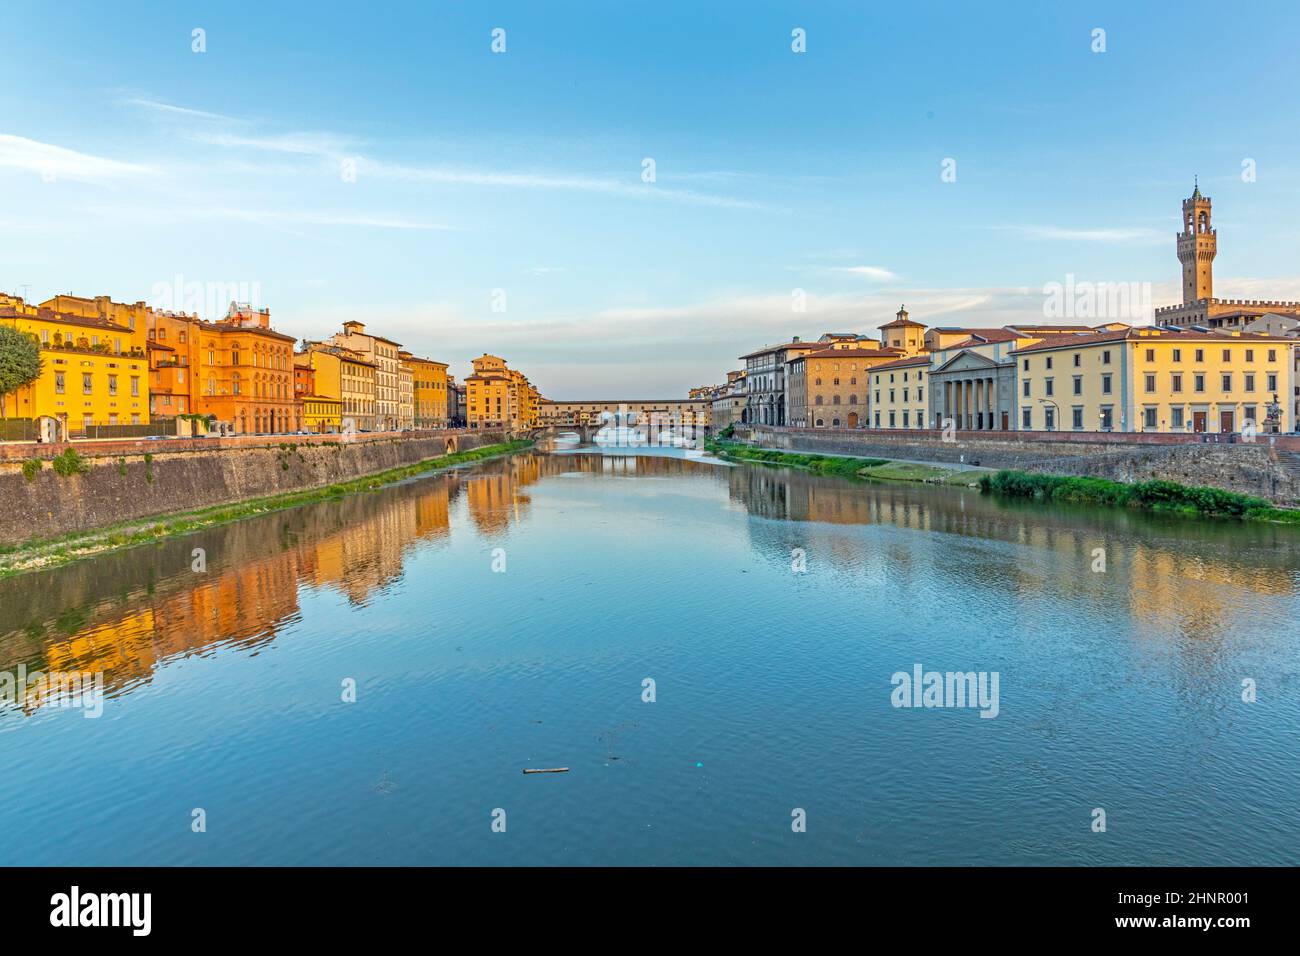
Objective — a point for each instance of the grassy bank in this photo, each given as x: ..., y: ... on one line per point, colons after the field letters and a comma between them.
x: 915, y: 471
x: 41, y: 554
x: 1155, y: 495
x: 817, y: 464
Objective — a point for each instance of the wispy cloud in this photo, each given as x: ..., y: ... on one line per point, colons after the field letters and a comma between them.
x: 215, y: 129
x: 539, y: 180
x: 1060, y: 233
x: 48, y: 160
x: 267, y: 217
x: 172, y: 112
x: 870, y: 272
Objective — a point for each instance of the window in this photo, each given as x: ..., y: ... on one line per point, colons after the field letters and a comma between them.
x: 85, y: 383
x: 1049, y: 361
x: 1272, y: 381
x: 1026, y: 365
x: 1149, y: 416
x: 1025, y: 388
x: 1077, y: 417
x: 1200, y: 355
x: 1227, y: 355
x: 1227, y: 381
x: 1178, y: 355
x: 1151, y: 355
x: 1105, y: 384
x: 1176, y: 417
x: 1078, y: 385
x: 1272, y: 355
x: 1176, y: 382
x: 1107, y: 421
x: 1105, y: 357
x: 1047, y: 385
x: 1250, y: 355
x: 1150, y: 382
x: 1199, y: 381
x: 58, y: 383
x: 1027, y: 417
x: 1078, y: 360
x: 1250, y: 381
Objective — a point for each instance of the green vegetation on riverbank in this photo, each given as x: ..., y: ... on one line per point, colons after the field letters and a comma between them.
x: 817, y: 464
x: 1155, y: 495
x: 38, y: 554
x: 916, y: 471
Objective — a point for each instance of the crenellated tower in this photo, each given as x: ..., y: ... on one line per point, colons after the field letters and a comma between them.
x: 1197, y: 245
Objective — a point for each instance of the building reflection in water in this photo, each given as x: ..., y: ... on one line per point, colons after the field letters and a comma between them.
x: 127, y: 613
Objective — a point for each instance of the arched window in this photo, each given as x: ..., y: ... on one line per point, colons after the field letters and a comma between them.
x: 234, y: 383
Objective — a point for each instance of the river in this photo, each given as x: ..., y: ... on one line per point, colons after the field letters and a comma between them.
x: 363, y: 680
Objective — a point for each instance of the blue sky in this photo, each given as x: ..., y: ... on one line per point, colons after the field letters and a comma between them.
x: 126, y: 160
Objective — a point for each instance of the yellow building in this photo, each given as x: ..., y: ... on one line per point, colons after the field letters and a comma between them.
x: 93, y: 371
x: 321, y: 415
x: 347, y: 377
x: 429, y: 390
x: 899, y: 393
x: 500, y: 397
x: 1155, y: 380
x: 172, y: 347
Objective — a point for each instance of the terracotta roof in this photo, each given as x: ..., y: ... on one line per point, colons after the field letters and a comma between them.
x: 902, y: 363
x: 250, y: 329
x: 848, y: 353
x: 1148, y: 334
x: 63, y: 318
x: 1035, y: 327
x: 985, y: 337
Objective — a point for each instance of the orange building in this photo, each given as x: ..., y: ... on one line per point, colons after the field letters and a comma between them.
x: 173, y: 359
x: 245, y: 372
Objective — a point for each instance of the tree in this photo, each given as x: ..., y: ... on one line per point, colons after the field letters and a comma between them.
x: 20, y: 362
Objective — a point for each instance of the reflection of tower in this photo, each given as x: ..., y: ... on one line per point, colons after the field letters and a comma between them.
x: 1197, y: 245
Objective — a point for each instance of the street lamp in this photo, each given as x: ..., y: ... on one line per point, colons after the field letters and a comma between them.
x: 1048, y: 401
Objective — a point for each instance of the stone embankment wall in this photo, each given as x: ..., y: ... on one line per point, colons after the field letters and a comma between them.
x: 1269, y: 469
x: 139, y: 479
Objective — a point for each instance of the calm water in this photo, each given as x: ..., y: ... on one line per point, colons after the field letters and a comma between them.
x: 1120, y: 690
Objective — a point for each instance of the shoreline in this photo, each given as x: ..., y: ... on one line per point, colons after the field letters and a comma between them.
x: 1155, y: 495
x: 848, y: 466
x: 48, y: 553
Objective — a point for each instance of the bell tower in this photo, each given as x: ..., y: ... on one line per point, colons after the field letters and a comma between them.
x: 1197, y: 245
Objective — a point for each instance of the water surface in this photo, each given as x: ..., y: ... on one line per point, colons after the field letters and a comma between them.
x: 1119, y: 689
